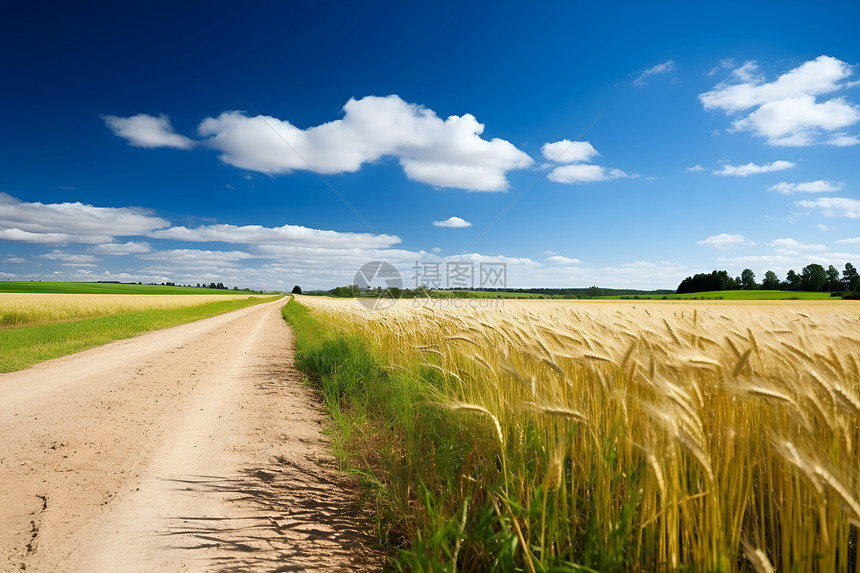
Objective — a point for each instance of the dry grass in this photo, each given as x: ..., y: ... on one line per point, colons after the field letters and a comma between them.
x: 25, y: 309
x: 720, y: 436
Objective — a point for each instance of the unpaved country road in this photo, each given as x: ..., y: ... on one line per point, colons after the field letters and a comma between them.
x: 195, y: 448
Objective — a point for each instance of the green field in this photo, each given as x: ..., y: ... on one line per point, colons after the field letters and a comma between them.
x: 735, y: 295
x: 25, y: 346
x: 712, y: 295
x: 103, y: 288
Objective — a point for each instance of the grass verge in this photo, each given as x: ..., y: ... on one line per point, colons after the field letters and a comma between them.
x: 409, y: 453
x: 23, y: 347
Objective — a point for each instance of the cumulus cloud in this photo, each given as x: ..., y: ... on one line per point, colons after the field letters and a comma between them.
x: 663, y: 68
x: 793, y: 122
x: 144, y: 130
x: 286, y: 234
x: 696, y: 167
x: 789, y: 244
x: 444, y: 153
x: 753, y: 168
x: 819, y: 186
x: 725, y: 241
x: 453, y: 223
x: 567, y: 151
x: 584, y: 173
x: 834, y: 206
x: 560, y: 260
x: 575, y: 154
x: 60, y: 223
x: 131, y: 247
x: 787, y: 111
x: 850, y: 241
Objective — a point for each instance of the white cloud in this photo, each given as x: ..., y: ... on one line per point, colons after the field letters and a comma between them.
x: 843, y: 140
x: 559, y: 260
x: 286, y: 234
x: 575, y: 153
x: 567, y: 151
x: 14, y: 260
x: 725, y: 241
x: 696, y: 167
x: 444, y: 153
x: 795, y: 122
x: 834, y: 206
x: 583, y: 173
x: 826, y: 228
x: 819, y: 186
x: 663, y: 68
x: 196, y: 258
x: 782, y: 261
x: 754, y: 169
x: 60, y: 223
x: 131, y: 247
x: 850, y: 241
x: 787, y: 112
x: 819, y: 76
x: 21, y: 236
x: 72, y: 259
x: 144, y: 130
x: 453, y: 223
x: 789, y: 244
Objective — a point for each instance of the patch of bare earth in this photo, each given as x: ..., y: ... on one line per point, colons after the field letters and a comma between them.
x: 196, y: 448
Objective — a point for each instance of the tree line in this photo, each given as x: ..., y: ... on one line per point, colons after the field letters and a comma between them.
x: 812, y: 278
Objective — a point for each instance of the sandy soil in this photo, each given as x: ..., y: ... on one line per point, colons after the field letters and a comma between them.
x: 195, y: 448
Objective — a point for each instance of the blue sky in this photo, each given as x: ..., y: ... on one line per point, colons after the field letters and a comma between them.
x: 611, y: 144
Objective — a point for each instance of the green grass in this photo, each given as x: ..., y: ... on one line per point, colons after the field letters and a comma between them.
x: 408, y: 453
x: 23, y: 347
x: 734, y: 295
x: 104, y: 288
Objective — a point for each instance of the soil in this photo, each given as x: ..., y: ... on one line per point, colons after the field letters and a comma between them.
x: 195, y: 448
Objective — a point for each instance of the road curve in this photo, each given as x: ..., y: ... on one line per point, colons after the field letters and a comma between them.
x: 194, y: 448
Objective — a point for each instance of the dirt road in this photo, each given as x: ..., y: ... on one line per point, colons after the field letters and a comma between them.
x: 187, y: 449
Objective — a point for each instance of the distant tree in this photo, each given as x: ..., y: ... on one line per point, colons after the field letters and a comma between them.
x: 220, y: 285
x: 198, y: 285
x: 715, y: 280
x: 813, y: 278
x: 770, y: 282
x: 297, y: 290
x: 792, y: 280
x: 850, y: 278
x: 747, y: 280
x: 832, y: 282
x: 235, y: 288
x: 594, y: 291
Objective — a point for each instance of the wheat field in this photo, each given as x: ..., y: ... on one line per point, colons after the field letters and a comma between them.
x: 670, y: 435
x: 33, y: 309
